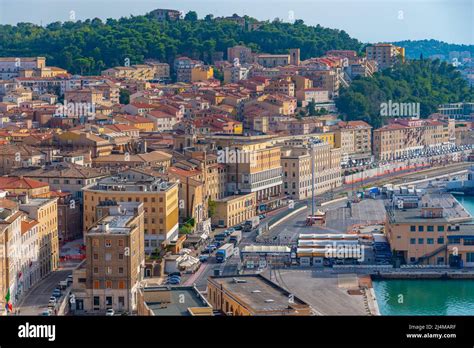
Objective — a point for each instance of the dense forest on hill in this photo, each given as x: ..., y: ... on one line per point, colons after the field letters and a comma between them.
x: 428, y: 82
x: 87, y: 47
x: 414, y: 49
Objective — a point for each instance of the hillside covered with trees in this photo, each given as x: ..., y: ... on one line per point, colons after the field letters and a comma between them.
x: 427, y: 82
x: 87, y: 47
x: 415, y: 48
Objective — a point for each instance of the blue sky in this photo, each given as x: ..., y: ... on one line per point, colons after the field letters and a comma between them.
x: 367, y: 20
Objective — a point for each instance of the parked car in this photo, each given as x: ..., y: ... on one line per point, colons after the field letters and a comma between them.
x: 63, y: 284
x: 110, y: 312
x: 57, y: 293
x: 203, y: 258
x: 174, y: 274
x: 262, y: 216
x: 238, y: 227
x: 69, y: 279
x: 173, y: 281
x: 46, y: 313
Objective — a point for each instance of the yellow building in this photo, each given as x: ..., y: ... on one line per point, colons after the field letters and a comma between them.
x: 233, y: 210
x: 24, y: 186
x: 201, y: 73
x: 435, y: 230
x: 386, y: 55
x: 159, y: 197
x: 142, y: 123
x: 84, y: 140
x: 45, y: 211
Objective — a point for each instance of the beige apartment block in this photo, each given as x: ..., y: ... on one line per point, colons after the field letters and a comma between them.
x: 386, y: 55
x: 159, y: 197
x: 115, y: 260
x: 233, y: 210
x: 402, y: 136
x: 45, y: 211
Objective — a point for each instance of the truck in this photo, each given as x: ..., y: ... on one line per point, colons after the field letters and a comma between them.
x: 250, y: 224
x: 224, y: 252
x: 220, y: 237
x: 235, y: 237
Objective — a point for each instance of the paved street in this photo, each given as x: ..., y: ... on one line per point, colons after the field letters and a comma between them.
x: 36, y: 301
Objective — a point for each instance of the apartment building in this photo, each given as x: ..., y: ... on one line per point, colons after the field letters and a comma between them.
x: 239, y: 55
x: 141, y: 72
x: 235, y: 209
x: 433, y: 229
x: 64, y: 177
x: 201, y: 73
x: 10, y: 67
x: 234, y: 74
x: 45, y: 212
x: 282, y: 86
x: 69, y: 217
x: 115, y: 259
x: 191, y: 193
x: 19, y: 257
x: 316, y: 95
x: 159, y: 197
x: 16, y: 186
x: 252, y: 294
x: 327, y: 79
x: 163, y: 15
x: 402, y: 136
x: 297, y: 158
x: 296, y: 165
x: 386, y: 55
x: 355, y: 140
x: 79, y: 140
x: 183, y: 67
x: 14, y: 156
x: 253, y: 165
x: 273, y: 60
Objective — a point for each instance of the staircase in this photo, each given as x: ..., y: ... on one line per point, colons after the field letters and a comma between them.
x: 431, y: 254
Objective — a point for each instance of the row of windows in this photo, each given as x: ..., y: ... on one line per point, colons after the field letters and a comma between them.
x: 129, y: 199
x: 109, y: 284
x: 428, y: 240
x: 109, y: 270
x: 107, y: 242
x: 429, y: 228
x: 109, y: 300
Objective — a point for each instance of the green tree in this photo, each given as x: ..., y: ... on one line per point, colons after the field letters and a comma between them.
x: 124, y: 96
x: 211, y: 206
x: 191, y: 16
